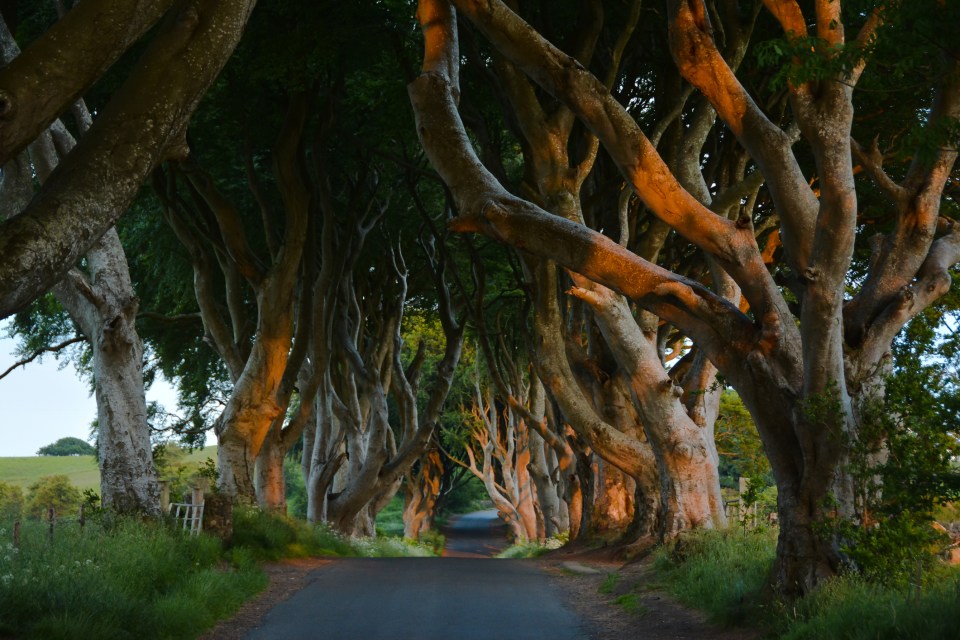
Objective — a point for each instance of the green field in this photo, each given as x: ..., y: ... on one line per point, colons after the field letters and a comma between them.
x: 82, y: 470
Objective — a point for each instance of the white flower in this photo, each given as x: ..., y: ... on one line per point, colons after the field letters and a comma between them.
x: 6, y: 558
x: 7, y: 578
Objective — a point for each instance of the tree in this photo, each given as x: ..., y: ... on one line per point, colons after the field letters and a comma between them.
x: 100, y: 300
x: 804, y: 369
x: 54, y: 492
x: 11, y: 501
x: 143, y: 123
x: 68, y: 447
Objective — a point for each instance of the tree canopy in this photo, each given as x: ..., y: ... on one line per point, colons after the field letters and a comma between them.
x: 532, y: 242
x: 68, y: 447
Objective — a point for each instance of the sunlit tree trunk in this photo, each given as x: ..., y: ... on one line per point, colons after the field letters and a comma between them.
x: 422, y: 491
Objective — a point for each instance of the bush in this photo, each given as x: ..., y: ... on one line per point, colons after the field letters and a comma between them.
x: 53, y: 491
x: 11, y: 502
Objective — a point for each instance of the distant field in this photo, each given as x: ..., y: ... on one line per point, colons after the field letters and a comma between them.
x: 82, y: 470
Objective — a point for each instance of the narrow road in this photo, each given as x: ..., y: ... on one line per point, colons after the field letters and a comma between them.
x: 462, y: 596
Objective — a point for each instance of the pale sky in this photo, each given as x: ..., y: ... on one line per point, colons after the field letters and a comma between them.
x: 39, y: 404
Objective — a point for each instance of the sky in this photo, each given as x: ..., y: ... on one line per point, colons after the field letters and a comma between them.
x: 41, y: 403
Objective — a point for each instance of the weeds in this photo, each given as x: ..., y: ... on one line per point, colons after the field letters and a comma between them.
x: 632, y: 605
x: 609, y: 582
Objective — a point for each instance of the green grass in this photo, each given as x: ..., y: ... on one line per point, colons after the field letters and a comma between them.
x: 82, y: 470
x: 390, y: 518
x: 632, y: 605
x: 129, y: 580
x: 724, y: 573
x: 721, y: 572
x: 609, y: 582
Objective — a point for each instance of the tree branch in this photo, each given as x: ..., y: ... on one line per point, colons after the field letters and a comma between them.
x: 39, y: 352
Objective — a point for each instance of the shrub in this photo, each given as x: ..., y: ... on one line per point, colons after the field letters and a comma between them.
x: 53, y: 491
x: 11, y: 502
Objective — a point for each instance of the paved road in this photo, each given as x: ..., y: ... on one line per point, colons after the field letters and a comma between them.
x: 450, y: 598
x: 480, y: 534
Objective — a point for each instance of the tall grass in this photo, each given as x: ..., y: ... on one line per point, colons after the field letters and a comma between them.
x: 270, y: 537
x: 721, y: 572
x: 130, y: 580
x: 137, y: 580
x: 724, y: 573
x: 853, y: 609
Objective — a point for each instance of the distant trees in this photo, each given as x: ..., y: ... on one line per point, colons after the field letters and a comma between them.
x: 68, y: 447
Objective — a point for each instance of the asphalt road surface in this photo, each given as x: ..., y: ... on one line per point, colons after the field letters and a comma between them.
x: 463, y: 596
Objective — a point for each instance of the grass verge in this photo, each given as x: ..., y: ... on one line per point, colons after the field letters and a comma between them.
x: 724, y: 573
x: 129, y: 579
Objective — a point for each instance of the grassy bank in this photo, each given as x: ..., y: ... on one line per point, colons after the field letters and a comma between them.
x: 724, y: 573
x: 131, y: 579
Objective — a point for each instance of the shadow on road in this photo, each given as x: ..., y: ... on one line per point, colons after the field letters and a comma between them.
x: 481, y: 534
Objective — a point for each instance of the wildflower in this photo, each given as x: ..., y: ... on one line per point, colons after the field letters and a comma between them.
x: 6, y: 578
x: 6, y: 558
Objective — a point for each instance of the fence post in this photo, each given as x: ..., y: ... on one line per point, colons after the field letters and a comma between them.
x: 81, y: 519
x: 51, y: 515
x: 164, y: 496
x: 16, y: 534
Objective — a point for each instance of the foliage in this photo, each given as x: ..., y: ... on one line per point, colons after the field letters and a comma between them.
x: 904, y: 462
x: 296, y: 490
x: 53, y: 491
x: 11, y: 502
x: 739, y: 445
x: 68, y: 447
x: 175, y: 466
x: 390, y: 518
x: 129, y: 580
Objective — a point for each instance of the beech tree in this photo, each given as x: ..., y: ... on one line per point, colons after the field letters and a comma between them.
x: 806, y: 372
x: 100, y: 299
x: 143, y: 123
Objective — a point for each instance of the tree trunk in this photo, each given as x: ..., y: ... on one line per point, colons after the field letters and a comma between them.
x: 103, y: 304
x: 270, y: 485
x: 423, y: 489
